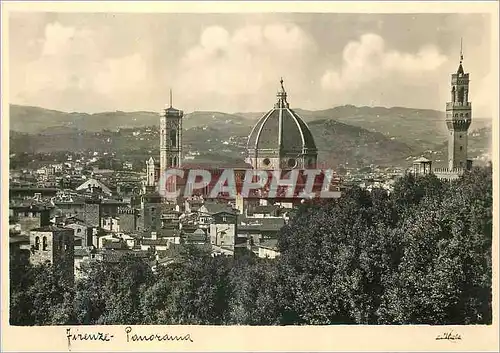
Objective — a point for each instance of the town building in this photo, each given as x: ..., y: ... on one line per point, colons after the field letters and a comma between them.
x: 54, y: 245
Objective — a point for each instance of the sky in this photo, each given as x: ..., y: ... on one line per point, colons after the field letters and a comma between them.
x: 92, y: 62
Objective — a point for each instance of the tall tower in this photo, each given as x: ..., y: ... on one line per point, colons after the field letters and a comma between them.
x: 458, y: 118
x: 170, y: 138
x: 150, y: 172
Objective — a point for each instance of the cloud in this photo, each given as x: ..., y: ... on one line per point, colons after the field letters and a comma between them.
x: 58, y: 38
x: 95, y: 62
x: 367, y: 60
x: 244, y: 62
x: 71, y: 66
x: 110, y: 79
x: 481, y: 94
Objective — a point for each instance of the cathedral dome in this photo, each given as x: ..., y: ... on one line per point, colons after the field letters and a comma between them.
x: 281, y: 133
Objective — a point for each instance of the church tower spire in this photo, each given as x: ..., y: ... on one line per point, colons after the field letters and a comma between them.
x: 458, y: 117
x: 460, y: 67
x: 461, y: 51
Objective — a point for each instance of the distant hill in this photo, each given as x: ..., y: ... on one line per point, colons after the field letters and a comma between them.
x: 214, y: 120
x: 345, y: 134
x: 340, y: 143
x: 419, y: 128
x: 37, y: 120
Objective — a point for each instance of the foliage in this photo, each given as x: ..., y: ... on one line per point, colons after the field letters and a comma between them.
x: 39, y: 295
x: 109, y: 293
x: 420, y: 255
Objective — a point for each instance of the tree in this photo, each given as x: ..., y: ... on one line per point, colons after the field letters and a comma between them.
x: 420, y: 255
x: 254, y: 300
x: 194, y: 290
x: 444, y: 276
x: 40, y: 295
x: 110, y: 293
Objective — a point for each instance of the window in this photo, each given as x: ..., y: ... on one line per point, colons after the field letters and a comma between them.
x: 460, y: 136
x: 44, y: 244
x: 461, y: 94
x: 266, y: 161
x: 461, y: 148
x: 173, y: 138
x: 78, y: 230
x: 292, y: 163
x: 37, y: 243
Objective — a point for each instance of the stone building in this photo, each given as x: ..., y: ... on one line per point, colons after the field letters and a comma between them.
x: 30, y: 215
x: 150, y: 212
x: 55, y: 245
x: 128, y: 219
x: 223, y: 230
x: 92, y: 213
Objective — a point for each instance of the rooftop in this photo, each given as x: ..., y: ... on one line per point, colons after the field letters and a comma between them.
x: 19, y: 239
x: 50, y: 228
x: 422, y: 160
x: 271, y: 244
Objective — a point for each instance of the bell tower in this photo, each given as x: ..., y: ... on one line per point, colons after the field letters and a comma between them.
x: 170, y: 138
x: 458, y: 118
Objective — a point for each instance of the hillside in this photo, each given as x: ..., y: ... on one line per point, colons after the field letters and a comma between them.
x: 337, y: 143
x: 344, y: 135
x: 37, y: 120
x: 418, y: 128
x: 340, y: 143
x: 215, y: 120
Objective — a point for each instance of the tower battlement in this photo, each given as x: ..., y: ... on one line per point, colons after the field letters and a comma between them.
x: 126, y: 210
